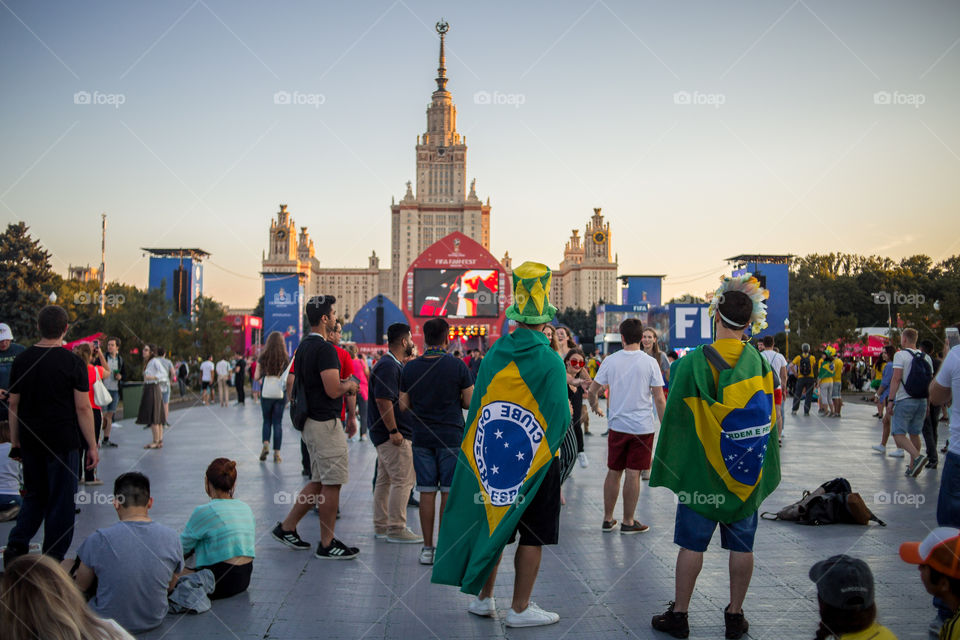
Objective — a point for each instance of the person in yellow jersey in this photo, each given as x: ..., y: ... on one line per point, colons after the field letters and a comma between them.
x: 806, y: 364
x: 938, y: 559
x: 825, y: 381
x: 846, y: 597
x: 837, y: 385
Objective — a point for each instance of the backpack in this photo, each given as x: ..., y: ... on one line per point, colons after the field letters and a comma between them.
x: 299, y: 412
x: 806, y: 369
x: 918, y: 380
x: 833, y: 502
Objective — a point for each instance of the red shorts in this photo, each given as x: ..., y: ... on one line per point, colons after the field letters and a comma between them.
x: 778, y: 396
x: 629, y: 451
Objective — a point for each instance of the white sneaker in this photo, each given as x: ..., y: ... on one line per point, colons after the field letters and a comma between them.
x: 582, y: 459
x: 897, y: 453
x: 532, y: 616
x: 426, y: 555
x: 879, y: 448
x: 486, y: 608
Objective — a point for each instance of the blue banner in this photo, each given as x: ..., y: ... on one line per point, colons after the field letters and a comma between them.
x: 690, y: 325
x: 283, y: 307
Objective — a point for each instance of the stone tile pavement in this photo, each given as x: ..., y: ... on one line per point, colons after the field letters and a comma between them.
x: 604, y: 585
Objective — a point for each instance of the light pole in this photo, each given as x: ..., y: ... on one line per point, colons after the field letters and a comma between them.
x: 786, y: 330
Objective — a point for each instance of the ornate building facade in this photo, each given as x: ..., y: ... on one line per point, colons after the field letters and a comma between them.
x: 588, y: 273
x: 441, y: 203
x: 291, y: 252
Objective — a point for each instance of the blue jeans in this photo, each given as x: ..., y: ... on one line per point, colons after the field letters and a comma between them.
x: 272, y: 409
x: 50, y: 483
x: 434, y: 467
x: 948, y: 502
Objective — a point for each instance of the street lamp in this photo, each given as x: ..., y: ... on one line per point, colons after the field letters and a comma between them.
x: 786, y: 330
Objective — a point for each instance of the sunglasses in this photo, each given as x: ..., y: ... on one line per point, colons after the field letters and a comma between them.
x: 576, y: 364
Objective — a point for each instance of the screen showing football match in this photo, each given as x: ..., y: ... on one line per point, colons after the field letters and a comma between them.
x: 468, y: 293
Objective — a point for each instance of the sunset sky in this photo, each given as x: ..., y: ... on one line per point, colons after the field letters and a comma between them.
x: 702, y: 129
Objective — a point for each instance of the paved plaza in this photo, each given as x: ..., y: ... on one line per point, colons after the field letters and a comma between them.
x: 603, y: 585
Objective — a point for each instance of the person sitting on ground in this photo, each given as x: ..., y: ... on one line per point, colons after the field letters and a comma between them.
x: 222, y: 532
x: 129, y: 566
x: 10, y: 475
x: 37, y: 600
x: 939, y: 563
x: 845, y: 594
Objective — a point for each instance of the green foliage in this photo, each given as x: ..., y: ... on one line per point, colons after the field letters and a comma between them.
x: 258, y: 310
x: 687, y: 298
x: 582, y: 323
x: 26, y: 281
x: 846, y: 284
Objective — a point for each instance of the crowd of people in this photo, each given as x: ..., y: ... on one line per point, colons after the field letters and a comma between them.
x: 528, y: 401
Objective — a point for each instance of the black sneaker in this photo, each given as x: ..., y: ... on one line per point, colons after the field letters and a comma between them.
x: 609, y: 525
x: 289, y: 538
x: 108, y: 443
x: 672, y: 622
x: 932, y: 464
x: 735, y: 624
x: 336, y: 551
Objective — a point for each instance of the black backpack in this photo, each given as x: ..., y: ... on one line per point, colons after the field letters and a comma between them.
x: 918, y: 380
x: 833, y: 502
x: 806, y: 369
x: 299, y: 411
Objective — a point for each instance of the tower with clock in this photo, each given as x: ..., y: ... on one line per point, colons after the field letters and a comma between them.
x: 440, y: 201
x: 588, y: 273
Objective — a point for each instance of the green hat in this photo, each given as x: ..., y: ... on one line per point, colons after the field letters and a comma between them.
x: 531, y: 294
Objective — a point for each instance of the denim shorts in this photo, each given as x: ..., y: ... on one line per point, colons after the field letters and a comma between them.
x: 434, y: 467
x: 693, y: 531
x: 908, y: 416
x: 112, y: 407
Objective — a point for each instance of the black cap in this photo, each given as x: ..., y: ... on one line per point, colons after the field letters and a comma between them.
x: 844, y: 582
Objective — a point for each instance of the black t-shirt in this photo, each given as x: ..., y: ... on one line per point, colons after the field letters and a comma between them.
x: 240, y: 375
x: 434, y: 386
x: 313, y: 356
x: 385, y: 384
x: 45, y: 378
x: 576, y: 404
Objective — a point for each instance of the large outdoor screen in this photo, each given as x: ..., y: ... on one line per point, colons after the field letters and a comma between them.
x: 468, y: 293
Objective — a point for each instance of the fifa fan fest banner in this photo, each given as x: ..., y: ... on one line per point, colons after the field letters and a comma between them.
x: 283, y: 307
x: 690, y: 325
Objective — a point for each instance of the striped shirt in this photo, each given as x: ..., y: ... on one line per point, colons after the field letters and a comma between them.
x: 218, y: 531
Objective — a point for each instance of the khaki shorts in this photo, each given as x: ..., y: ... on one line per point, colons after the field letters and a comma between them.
x: 327, y: 445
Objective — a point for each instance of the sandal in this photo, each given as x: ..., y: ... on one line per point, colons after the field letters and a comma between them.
x: 152, y: 445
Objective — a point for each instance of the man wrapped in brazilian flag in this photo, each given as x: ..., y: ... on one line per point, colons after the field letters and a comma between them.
x: 507, y: 482
x: 715, y: 451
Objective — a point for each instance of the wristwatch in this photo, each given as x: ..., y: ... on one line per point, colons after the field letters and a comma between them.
x: 393, y: 431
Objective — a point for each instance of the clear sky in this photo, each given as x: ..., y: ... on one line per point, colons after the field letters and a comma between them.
x: 702, y: 129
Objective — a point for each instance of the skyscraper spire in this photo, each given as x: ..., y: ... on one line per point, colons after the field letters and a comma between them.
x: 442, y: 28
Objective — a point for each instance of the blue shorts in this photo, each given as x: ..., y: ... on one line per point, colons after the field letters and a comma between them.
x: 694, y: 531
x: 112, y: 407
x: 434, y: 467
x: 908, y: 416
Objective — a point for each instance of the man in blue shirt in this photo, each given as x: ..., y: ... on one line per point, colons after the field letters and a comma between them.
x: 435, y: 389
x: 391, y: 434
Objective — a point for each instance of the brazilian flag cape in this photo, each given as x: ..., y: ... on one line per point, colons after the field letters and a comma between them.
x: 517, y: 419
x: 715, y: 451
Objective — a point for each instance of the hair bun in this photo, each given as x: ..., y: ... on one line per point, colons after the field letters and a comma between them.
x: 231, y: 466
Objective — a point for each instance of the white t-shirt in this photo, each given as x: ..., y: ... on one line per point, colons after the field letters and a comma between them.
x: 223, y: 368
x: 157, y: 368
x: 775, y: 359
x: 903, y: 359
x: 10, y: 472
x: 206, y: 371
x: 630, y: 375
x: 949, y: 377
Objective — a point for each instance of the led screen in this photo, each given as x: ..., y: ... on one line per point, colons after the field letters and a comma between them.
x: 467, y: 293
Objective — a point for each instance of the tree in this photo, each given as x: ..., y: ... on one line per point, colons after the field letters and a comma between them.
x: 212, y: 336
x: 26, y: 281
x: 687, y: 298
x: 258, y: 310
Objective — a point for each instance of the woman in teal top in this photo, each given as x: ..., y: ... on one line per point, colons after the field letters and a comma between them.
x: 222, y: 532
